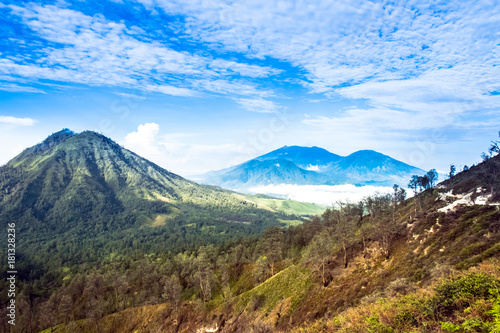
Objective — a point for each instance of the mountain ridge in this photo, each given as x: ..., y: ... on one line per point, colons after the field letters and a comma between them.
x: 313, y: 166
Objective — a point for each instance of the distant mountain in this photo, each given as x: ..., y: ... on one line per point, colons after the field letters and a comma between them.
x: 313, y: 166
x: 84, y: 190
x: 313, y: 158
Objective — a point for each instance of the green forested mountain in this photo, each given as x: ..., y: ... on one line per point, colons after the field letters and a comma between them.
x: 79, y: 197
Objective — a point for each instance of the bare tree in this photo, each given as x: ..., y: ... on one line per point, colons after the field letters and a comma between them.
x: 172, y: 291
x: 48, y: 313
x: 318, y: 252
x: 65, y: 307
x: 120, y: 287
x: 95, y: 311
x: 94, y: 289
x: 343, y: 221
x: 203, y: 273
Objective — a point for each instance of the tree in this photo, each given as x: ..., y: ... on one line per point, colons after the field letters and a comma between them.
x: 223, y: 265
x: 453, y: 169
x: 495, y: 146
x: 318, y: 252
x: 432, y: 175
x: 48, y: 312
x: 261, y: 269
x: 382, y: 211
x: 65, y: 307
x: 95, y: 311
x: 26, y: 313
x: 423, y: 182
x: 399, y: 195
x: 413, y: 184
x: 120, y: 287
x: 343, y: 221
x: 172, y: 291
x: 271, y: 245
x: 485, y: 157
x: 203, y: 273
x: 94, y: 290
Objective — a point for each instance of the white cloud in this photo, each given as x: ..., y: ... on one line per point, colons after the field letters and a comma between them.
x: 95, y: 51
x: 174, y: 153
x: 320, y: 194
x: 258, y: 105
x: 170, y: 90
x: 415, y: 56
x: 222, y: 86
x: 12, y: 87
x: 17, y: 121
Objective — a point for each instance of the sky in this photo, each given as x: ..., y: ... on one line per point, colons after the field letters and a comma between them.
x: 198, y: 85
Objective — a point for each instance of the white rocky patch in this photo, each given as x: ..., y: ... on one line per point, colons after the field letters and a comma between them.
x: 463, y: 199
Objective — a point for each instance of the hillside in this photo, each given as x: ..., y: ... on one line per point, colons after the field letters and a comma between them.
x: 426, y: 264
x: 313, y: 166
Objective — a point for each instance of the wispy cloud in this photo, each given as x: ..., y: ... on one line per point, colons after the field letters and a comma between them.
x: 17, y: 121
x: 96, y: 51
x: 411, y: 56
x: 258, y: 105
x: 12, y: 87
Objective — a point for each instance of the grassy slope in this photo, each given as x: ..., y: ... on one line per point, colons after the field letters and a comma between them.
x: 285, y: 206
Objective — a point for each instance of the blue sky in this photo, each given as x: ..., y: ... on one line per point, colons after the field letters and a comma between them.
x: 197, y: 85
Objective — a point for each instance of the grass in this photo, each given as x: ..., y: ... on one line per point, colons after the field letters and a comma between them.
x: 287, y: 287
x: 286, y: 206
x: 465, y: 303
x: 289, y: 223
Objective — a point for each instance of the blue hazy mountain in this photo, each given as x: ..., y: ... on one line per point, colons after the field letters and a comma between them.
x: 314, y: 166
x: 303, y: 157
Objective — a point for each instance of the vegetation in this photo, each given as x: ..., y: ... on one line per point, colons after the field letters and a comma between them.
x: 379, y: 265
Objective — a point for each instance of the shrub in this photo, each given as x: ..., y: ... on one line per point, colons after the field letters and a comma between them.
x: 461, y: 292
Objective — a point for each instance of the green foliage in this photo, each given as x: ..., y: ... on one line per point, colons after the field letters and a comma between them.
x: 469, y: 325
x: 376, y: 327
x: 495, y: 312
x: 292, y: 283
x: 286, y: 206
x: 461, y: 292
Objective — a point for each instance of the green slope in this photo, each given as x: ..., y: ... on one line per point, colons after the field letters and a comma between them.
x: 285, y: 206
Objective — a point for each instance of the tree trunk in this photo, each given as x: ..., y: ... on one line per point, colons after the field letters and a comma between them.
x: 386, y: 246
x: 345, y: 255
x: 272, y: 268
x: 364, y: 247
x: 323, y: 275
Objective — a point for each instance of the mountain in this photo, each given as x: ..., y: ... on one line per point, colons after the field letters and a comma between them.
x: 313, y: 166
x: 425, y: 264
x: 305, y: 158
x: 101, y: 198
x: 371, y: 167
